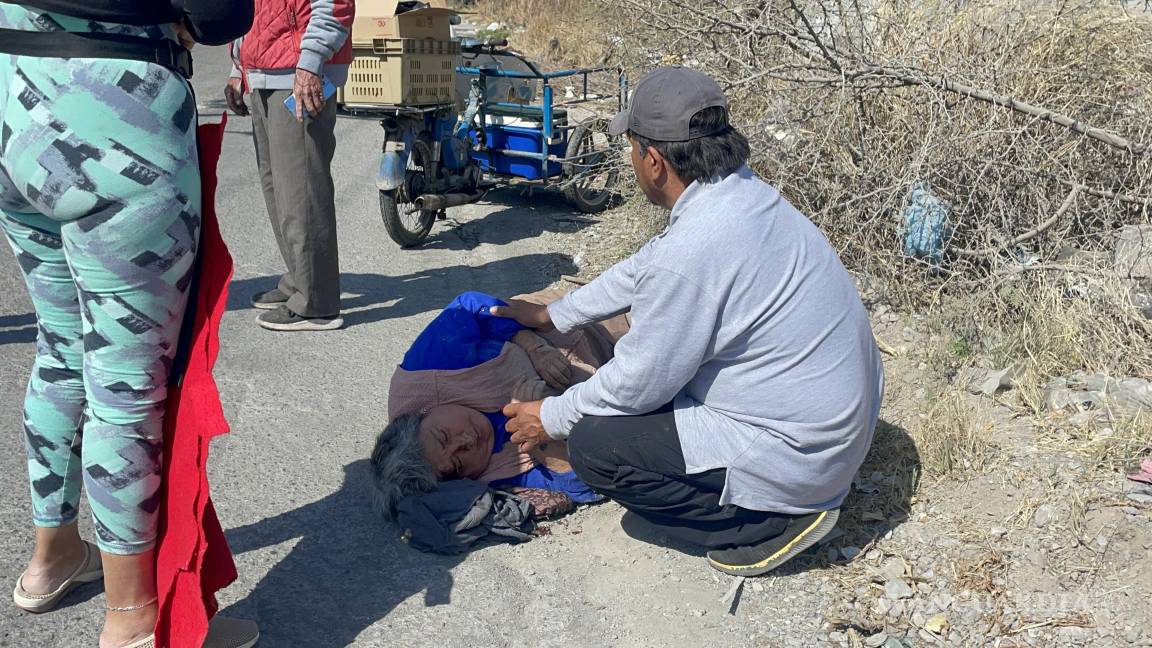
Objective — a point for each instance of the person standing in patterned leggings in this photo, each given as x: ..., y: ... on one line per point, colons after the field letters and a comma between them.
x: 100, y: 201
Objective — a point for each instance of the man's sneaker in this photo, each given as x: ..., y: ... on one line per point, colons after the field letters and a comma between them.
x: 269, y: 300
x: 283, y: 319
x: 802, y: 532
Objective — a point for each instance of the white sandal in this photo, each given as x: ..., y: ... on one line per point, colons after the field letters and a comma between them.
x: 223, y: 632
x: 90, y: 570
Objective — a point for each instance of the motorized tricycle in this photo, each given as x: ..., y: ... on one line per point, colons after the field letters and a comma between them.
x: 452, y: 153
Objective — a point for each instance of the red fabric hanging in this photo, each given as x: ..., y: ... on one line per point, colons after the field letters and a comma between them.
x: 193, y: 560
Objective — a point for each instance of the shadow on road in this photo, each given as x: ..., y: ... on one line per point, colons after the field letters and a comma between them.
x: 347, y: 570
x: 17, y: 329
x: 880, y: 500
x: 522, y: 216
x: 377, y: 297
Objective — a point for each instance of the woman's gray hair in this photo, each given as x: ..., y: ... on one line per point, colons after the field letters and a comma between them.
x: 399, y: 468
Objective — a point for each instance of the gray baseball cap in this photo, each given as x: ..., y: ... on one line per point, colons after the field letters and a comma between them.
x: 664, y: 102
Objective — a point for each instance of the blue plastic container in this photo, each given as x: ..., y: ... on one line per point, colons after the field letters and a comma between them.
x: 518, y: 138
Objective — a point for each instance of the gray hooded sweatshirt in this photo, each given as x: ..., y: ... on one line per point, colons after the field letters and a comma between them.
x: 745, y: 319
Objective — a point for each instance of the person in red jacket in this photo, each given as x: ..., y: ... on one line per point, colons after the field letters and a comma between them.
x: 296, y: 49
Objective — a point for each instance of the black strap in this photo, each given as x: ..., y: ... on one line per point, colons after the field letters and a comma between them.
x: 59, y: 44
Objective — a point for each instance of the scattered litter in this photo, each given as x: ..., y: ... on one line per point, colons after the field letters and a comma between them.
x: 732, y: 597
x: 988, y: 382
x: 849, y: 552
x: 1144, y: 473
x: 926, y: 225
x: 1121, y: 398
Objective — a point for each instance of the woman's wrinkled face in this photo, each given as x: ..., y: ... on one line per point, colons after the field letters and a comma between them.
x: 457, y: 441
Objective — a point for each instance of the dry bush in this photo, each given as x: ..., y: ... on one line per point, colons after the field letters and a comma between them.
x: 1028, y: 118
x: 572, y: 32
x: 851, y: 105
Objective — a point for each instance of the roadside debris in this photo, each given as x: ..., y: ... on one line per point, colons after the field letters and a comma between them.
x: 1143, y: 473
x: 926, y: 225
x: 1120, y: 398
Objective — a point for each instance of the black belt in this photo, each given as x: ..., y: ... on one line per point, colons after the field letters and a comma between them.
x: 60, y: 44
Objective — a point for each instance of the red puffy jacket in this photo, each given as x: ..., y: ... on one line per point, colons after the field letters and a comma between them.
x: 278, y: 27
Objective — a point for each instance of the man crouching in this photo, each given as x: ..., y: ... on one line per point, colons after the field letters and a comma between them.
x: 744, y: 398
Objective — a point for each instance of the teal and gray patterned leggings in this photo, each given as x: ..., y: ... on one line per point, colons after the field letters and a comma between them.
x: 100, y: 200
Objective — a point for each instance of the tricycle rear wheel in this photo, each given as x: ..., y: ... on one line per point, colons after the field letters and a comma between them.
x: 592, y: 169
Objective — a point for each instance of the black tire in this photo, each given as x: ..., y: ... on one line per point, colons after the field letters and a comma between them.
x: 408, y: 228
x: 592, y: 169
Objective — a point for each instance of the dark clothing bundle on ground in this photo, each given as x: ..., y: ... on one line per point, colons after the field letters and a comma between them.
x: 460, y: 512
x: 638, y: 462
x: 212, y: 22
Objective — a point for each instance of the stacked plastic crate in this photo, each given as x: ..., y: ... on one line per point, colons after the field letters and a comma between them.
x: 401, y: 57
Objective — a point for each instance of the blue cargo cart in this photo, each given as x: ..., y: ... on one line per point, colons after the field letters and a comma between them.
x: 512, y: 128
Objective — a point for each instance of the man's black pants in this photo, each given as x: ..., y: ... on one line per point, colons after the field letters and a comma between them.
x: 638, y: 462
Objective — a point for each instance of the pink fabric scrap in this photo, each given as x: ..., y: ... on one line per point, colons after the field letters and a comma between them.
x: 1144, y: 474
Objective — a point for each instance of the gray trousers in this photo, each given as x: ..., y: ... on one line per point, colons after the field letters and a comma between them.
x: 295, y: 161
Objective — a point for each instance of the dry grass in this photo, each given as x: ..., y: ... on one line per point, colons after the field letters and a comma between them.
x: 847, y: 108
x: 844, y: 106
x: 952, y: 439
x: 982, y: 574
x: 1111, y: 447
x: 574, y: 32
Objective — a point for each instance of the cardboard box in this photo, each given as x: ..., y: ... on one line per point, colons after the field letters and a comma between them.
x: 402, y: 71
x: 378, y: 19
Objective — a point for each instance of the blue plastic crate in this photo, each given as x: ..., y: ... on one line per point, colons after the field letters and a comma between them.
x: 516, y: 138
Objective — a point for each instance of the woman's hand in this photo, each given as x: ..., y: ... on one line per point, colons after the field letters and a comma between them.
x: 548, y: 361
x: 528, y: 390
x: 553, y: 367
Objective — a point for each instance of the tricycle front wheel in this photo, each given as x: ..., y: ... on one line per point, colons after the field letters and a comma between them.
x: 408, y: 230
x: 592, y: 169
x: 407, y: 225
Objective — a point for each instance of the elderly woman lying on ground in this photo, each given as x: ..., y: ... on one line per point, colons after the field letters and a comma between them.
x: 445, y: 400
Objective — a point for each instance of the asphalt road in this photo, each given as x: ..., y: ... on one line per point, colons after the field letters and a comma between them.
x: 317, y: 568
